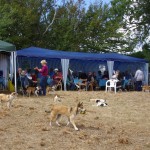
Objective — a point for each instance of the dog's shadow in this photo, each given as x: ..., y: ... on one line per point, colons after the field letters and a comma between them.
x: 83, y: 127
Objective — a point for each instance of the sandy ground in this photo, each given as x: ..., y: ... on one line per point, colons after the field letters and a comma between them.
x: 123, y: 125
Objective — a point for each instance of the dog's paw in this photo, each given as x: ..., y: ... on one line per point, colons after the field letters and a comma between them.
x: 76, y: 129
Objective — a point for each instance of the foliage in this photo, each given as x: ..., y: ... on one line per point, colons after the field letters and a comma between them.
x: 145, y: 54
x: 70, y: 26
x: 139, y: 17
x: 21, y: 21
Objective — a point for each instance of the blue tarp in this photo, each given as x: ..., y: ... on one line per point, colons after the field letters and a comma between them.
x: 46, y: 53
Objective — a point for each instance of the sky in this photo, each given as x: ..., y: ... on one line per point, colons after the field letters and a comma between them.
x: 88, y: 2
x: 92, y: 1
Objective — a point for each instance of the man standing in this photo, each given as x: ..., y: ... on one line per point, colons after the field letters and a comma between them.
x: 44, y: 73
x: 139, y: 77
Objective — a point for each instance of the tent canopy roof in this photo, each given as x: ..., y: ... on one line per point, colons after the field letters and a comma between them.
x: 46, y: 53
x: 7, y: 47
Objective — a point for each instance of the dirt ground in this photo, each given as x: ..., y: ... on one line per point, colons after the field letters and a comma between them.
x: 123, y: 125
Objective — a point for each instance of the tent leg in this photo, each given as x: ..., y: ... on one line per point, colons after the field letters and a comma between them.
x: 15, y: 70
x: 11, y: 66
x: 110, y: 65
x: 65, y: 66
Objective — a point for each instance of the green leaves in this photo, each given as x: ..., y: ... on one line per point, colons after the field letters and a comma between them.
x: 70, y: 26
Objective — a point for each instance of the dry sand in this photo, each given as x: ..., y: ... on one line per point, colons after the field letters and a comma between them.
x: 123, y: 125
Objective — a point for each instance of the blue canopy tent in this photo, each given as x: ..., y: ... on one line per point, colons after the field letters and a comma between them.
x: 73, y: 59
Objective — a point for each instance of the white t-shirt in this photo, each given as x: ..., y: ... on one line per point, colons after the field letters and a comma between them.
x: 139, y: 76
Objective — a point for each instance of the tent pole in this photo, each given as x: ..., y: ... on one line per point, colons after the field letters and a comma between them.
x: 65, y: 66
x: 11, y: 65
x: 15, y: 70
x: 110, y: 65
x: 146, y: 78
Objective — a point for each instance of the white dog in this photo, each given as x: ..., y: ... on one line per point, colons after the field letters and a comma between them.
x: 99, y: 102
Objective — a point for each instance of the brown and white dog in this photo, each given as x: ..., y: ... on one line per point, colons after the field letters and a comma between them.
x: 50, y: 89
x: 57, y: 98
x: 69, y: 112
x: 146, y: 88
x: 33, y: 90
x: 8, y: 98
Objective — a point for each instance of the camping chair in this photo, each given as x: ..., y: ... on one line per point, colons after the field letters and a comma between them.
x: 112, y: 84
x: 59, y: 85
x: 76, y: 82
x: 130, y: 85
x: 2, y: 80
x: 83, y: 83
x: 92, y: 85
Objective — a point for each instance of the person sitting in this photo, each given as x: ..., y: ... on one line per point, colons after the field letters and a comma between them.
x: 70, y: 81
x: 117, y: 77
x: 33, y: 75
x: 128, y: 76
x: 51, y: 72
x: 90, y: 81
x: 95, y: 80
x: 105, y: 75
x: 82, y: 82
x: 99, y: 76
x: 17, y: 77
x: 102, y: 81
x: 23, y: 80
x: 50, y: 77
x: 57, y: 78
x: 26, y: 81
x: 31, y: 80
x: 127, y: 81
x: 82, y: 75
x: 2, y: 79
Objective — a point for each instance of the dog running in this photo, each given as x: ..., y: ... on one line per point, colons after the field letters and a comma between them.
x: 69, y: 112
x: 8, y: 98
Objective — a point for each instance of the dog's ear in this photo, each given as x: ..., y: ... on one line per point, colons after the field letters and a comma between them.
x: 78, y: 104
x: 13, y: 93
x: 81, y: 103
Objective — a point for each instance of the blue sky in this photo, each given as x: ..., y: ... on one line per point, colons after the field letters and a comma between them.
x: 88, y: 2
x: 92, y: 1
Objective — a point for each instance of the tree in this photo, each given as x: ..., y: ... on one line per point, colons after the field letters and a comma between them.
x: 101, y: 25
x: 139, y: 17
x: 65, y: 31
x: 137, y: 21
x: 69, y: 26
x: 21, y: 22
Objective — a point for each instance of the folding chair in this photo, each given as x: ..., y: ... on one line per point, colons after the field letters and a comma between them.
x: 83, y: 83
x: 59, y: 84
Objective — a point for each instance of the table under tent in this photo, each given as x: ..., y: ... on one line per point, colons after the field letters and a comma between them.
x: 7, y: 54
x: 78, y: 61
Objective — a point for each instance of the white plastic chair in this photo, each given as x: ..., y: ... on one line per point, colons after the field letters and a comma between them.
x: 112, y: 83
